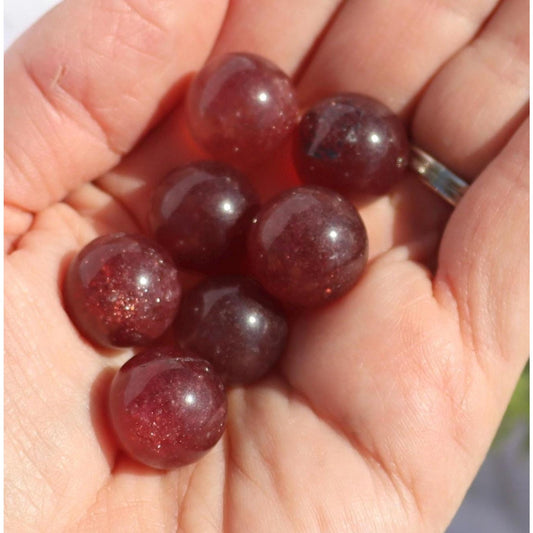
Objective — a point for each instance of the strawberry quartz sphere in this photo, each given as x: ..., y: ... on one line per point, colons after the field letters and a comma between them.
x: 122, y: 290
x: 351, y: 143
x: 167, y: 409
x: 233, y: 323
x: 307, y: 246
x: 241, y: 107
x: 201, y: 213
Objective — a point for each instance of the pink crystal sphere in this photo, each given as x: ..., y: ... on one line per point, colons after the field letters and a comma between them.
x: 351, y: 143
x: 234, y: 324
x: 307, y: 246
x: 241, y: 107
x: 122, y: 290
x: 201, y: 213
x: 167, y: 409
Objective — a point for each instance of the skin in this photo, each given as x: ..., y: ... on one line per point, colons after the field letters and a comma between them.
x: 387, y: 400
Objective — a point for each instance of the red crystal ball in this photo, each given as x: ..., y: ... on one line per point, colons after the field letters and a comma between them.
x: 233, y: 323
x: 122, y: 290
x: 241, y: 107
x: 201, y: 212
x: 166, y: 409
x: 351, y: 143
x: 307, y: 246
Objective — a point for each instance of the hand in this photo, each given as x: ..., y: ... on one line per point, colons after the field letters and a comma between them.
x: 388, y: 399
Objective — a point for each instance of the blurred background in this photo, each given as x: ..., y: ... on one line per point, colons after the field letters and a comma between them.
x: 498, y: 500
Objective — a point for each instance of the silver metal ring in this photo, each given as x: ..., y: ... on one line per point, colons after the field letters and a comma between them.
x: 436, y: 176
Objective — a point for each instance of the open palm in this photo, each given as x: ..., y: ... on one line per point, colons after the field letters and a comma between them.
x: 386, y: 402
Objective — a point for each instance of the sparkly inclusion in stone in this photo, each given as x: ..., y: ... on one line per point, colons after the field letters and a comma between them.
x: 122, y: 290
x: 307, y: 246
x: 234, y: 324
x: 241, y: 107
x: 200, y: 214
x: 351, y: 143
x: 167, y: 409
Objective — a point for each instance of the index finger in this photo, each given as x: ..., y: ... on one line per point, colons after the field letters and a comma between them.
x: 80, y: 94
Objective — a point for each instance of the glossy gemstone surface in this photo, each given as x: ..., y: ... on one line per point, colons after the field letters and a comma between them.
x: 307, y: 246
x: 351, y: 143
x: 234, y: 324
x: 241, y: 107
x: 167, y: 410
x: 122, y: 290
x: 201, y: 212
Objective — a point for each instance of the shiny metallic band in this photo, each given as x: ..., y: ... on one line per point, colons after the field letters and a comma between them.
x: 436, y: 176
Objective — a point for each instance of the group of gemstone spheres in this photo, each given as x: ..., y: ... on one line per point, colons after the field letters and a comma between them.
x: 305, y: 247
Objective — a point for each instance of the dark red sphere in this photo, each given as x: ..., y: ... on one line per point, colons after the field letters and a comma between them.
x: 201, y: 213
x: 351, y: 143
x: 122, y: 290
x: 166, y: 409
x: 241, y: 107
x: 307, y: 246
x: 234, y: 324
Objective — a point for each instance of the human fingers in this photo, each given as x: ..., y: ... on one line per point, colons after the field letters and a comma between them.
x: 390, y: 50
x: 85, y: 83
x: 280, y: 31
x: 132, y: 181
x: 416, y: 372
x: 477, y: 101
